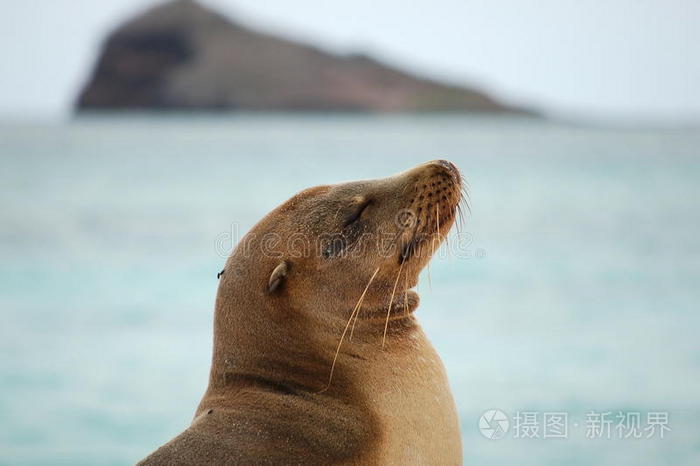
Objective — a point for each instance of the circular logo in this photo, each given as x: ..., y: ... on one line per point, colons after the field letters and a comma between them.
x: 493, y: 424
x: 406, y: 218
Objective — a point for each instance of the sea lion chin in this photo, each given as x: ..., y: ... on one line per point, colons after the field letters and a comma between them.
x: 318, y: 356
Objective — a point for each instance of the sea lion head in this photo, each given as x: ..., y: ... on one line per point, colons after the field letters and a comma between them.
x: 332, y: 250
x: 326, y: 243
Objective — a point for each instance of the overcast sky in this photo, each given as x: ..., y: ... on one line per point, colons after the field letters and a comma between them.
x: 636, y: 59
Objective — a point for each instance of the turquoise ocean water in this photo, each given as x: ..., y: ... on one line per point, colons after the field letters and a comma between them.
x: 579, y: 290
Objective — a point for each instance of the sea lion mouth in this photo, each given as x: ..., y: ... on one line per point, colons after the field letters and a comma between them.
x: 430, y: 230
x: 432, y: 208
x: 403, y: 305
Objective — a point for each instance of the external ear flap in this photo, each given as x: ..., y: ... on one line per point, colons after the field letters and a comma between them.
x: 277, y: 277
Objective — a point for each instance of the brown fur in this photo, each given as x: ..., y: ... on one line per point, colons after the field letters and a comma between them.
x: 281, y: 309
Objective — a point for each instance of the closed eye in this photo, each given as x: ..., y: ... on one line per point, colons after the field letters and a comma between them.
x: 357, y: 213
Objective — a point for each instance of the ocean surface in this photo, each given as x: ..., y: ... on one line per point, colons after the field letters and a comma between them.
x: 576, y: 288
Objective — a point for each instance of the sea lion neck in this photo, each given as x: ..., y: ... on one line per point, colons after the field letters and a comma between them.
x: 292, y: 350
x: 265, y: 345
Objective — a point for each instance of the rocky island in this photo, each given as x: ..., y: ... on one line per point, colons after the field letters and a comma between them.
x: 181, y: 55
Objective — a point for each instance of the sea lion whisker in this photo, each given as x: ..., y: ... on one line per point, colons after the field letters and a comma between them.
x: 359, y: 303
x: 434, y: 243
x: 430, y: 280
x: 437, y: 220
x: 394, y: 240
x: 410, y: 249
x: 405, y: 298
x: 465, y: 198
x: 391, y: 301
x: 460, y: 218
x: 437, y: 216
x: 345, y: 330
x: 466, y: 203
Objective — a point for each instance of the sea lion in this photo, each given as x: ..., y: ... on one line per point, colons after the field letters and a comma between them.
x: 318, y: 357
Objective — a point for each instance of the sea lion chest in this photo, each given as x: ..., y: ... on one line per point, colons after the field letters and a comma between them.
x: 407, y: 388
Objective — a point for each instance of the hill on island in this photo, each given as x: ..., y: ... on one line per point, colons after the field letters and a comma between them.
x: 182, y: 55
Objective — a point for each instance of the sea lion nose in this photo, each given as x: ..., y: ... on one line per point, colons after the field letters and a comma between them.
x: 450, y: 167
x: 439, y: 167
x: 445, y: 164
